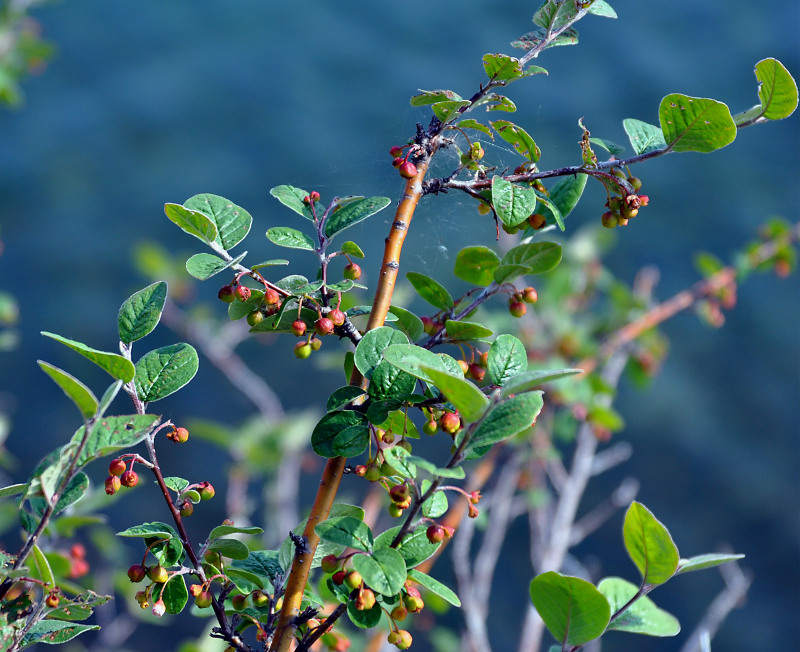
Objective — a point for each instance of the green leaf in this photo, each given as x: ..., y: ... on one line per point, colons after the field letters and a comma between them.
x: 518, y: 138
x: 573, y: 610
x: 777, y: 91
x: 413, y: 359
x: 507, y: 358
x: 192, y: 222
x: 260, y: 567
x: 602, y: 8
x: 430, y: 290
x: 463, y: 331
x: 156, y: 529
x: 408, y: 322
x: 501, y: 67
x: 384, y: 570
x: 54, y: 632
x: 448, y: 109
x: 700, y: 562
x: 414, y: 548
x: 233, y: 222
x: 431, y: 97
x: 164, y: 371
x: 464, y: 395
x: 499, y: 103
x: 606, y: 416
x: 176, y: 484
x: 175, y: 595
x: 695, y: 124
x: 514, y: 204
x: 456, y: 472
x: 397, y: 421
x: 224, y: 530
x: 75, y: 390
x: 141, y: 312
x: 609, y: 146
x: 347, y: 531
x: 469, y: 123
x: 116, y: 365
x: 436, y: 505
x: 371, y: 347
x: 529, y: 380
x: 532, y: 39
x: 565, y: 196
x: 111, y: 434
x: 13, y: 490
x: 644, y: 137
x: 343, y: 397
x: 292, y: 197
x: 80, y: 608
x: 398, y: 459
x: 649, y: 545
x: 510, y: 417
x: 435, y: 586
x: 353, y: 213
x: 507, y: 273
x: 351, y: 249
x: 366, y: 618
x: 73, y: 492
x: 388, y: 381
x: 291, y: 238
x: 351, y: 441
x: 539, y: 256
x: 325, y: 432
x: 642, y: 617
x: 42, y: 566
x: 204, y: 266
x: 267, y: 263
x: 476, y: 265
x: 231, y: 548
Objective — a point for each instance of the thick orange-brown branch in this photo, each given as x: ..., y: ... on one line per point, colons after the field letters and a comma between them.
x: 332, y: 474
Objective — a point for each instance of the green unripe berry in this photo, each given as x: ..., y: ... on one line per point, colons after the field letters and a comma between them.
x: 206, y: 490
x: 259, y: 598
x: 395, y: 511
x: 353, y: 580
x: 352, y: 272
x: 204, y: 599
x: 609, y: 219
x: 330, y: 563
x: 430, y: 427
x: 372, y: 473
x: 239, y: 602
x: 254, y: 318
x: 302, y: 350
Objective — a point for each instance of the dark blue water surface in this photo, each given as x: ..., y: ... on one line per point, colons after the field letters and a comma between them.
x: 152, y: 102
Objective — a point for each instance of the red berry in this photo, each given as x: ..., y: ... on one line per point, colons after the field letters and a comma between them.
x: 314, y: 195
x: 476, y: 371
x: 336, y: 316
x: 112, y: 484
x: 352, y: 272
x: 158, y: 574
x: 117, y: 467
x: 136, y: 573
x: 52, y: 600
x: 242, y: 293
x: 450, y: 422
x: 435, y: 533
x: 399, y: 493
x: 407, y: 170
x: 517, y: 308
x: 302, y: 350
x: 644, y: 200
x: 398, y: 161
x: 271, y: 297
x: 537, y: 221
x: 226, y: 293
x: 204, y: 599
x: 338, y: 577
x: 206, y: 491
x: 77, y: 551
x: 529, y: 295
x: 129, y: 479
x: 323, y: 326
x: 299, y: 327
x: 396, y: 151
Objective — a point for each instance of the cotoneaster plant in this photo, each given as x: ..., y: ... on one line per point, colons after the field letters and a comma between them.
x: 457, y: 374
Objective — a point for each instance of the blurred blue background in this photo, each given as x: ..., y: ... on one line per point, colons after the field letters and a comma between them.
x: 153, y: 102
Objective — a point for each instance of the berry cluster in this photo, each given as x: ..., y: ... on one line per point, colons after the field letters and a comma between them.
x: 517, y: 301
x: 120, y: 475
x: 406, y: 168
x: 623, y: 206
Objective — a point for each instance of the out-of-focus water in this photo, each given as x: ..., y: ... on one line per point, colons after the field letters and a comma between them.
x: 154, y: 102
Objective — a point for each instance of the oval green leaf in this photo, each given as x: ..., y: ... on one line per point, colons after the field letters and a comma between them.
x: 351, y: 441
x: 507, y: 419
x: 539, y: 256
x: 347, y: 531
x: 384, y: 570
x: 413, y: 359
x: 371, y: 347
x: 462, y: 331
x: 518, y: 138
x: 325, y: 432
x: 430, y: 290
x: 111, y: 434
x: 695, y: 124
x: 649, y: 545
x: 529, y: 380
x: 204, y: 266
x: 387, y: 381
x: 507, y: 273
x: 231, y: 548
x: 141, y: 312
x: 164, y: 371
x: 353, y: 213
x: 119, y: 367
x: 573, y: 610
x: 233, y: 222
x: 699, y: 562
x: 292, y: 197
x: 476, y: 265
x: 507, y: 358
x: 75, y: 390
x: 643, y: 616
x: 465, y: 396
x: 408, y: 322
x: 435, y: 586
x: 175, y: 595
x: 414, y: 548
x: 513, y: 203
x: 292, y: 238
x: 192, y: 222
x: 565, y: 196
x: 644, y: 137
